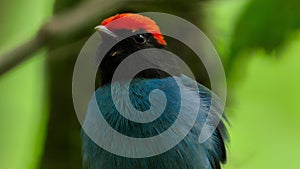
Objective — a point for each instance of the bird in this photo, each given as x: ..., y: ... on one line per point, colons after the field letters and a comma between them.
x: 132, y: 32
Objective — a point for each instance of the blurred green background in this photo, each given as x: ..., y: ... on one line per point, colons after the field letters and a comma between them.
x: 258, y: 42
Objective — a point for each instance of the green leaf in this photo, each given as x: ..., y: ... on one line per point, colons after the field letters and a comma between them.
x: 264, y: 24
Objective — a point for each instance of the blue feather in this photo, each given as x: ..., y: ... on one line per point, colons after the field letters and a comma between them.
x: 188, y: 154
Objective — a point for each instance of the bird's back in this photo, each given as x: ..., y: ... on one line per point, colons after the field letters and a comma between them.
x: 188, y: 154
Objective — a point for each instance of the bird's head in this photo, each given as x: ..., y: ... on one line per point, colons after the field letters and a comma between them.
x: 129, y: 23
x: 138, y: 32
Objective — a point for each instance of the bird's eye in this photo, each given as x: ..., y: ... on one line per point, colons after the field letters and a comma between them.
x: 140, y: 39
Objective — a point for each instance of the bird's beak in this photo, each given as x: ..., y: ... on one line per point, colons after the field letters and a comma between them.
x: 105, y: 32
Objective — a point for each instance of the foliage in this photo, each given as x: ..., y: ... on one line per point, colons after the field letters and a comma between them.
x: 23, y: 105
x: 264, y: 24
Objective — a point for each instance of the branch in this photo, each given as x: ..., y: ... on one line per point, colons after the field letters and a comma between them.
x: 61, y: 26
x: 19, y: 54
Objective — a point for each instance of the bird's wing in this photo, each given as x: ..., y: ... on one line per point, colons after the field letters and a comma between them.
x: 215, y: 145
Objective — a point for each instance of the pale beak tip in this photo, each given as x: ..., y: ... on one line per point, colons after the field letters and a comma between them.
x: 98, y: 28
x: 103, y: 30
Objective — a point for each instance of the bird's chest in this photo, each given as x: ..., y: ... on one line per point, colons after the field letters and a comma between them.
x: 140, y: 109
x: 118, y: 103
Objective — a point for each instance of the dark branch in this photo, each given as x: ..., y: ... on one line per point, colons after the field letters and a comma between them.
x: 19, y: 54
x: 64, y: 26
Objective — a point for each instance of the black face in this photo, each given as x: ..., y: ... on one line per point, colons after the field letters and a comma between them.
x: 125, y: 48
